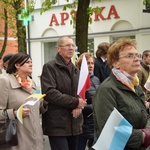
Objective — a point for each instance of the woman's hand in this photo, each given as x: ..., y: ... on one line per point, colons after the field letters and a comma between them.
x: 25, y: 112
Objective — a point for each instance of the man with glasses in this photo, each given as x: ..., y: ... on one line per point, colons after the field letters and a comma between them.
x: 59, y: 80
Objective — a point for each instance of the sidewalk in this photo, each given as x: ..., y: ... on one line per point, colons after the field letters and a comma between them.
x: 46, y: 143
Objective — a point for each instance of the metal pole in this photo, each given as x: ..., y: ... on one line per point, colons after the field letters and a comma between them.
x: 27, y: 32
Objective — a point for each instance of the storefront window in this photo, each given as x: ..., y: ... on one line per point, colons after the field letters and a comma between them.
x: 91, y: 45
x: 49, y: 51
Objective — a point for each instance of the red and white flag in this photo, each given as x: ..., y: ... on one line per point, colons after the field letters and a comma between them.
x: 84, y: 79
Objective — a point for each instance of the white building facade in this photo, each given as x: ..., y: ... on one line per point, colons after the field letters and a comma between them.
x: 119, y: 18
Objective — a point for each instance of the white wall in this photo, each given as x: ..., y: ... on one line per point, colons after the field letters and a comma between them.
x: 130, y: 12
x: 37, y: 60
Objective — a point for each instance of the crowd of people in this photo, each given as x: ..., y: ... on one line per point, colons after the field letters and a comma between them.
x: 117, y: 79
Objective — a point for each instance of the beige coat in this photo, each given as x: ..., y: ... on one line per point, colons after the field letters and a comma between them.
x: 12, y: 96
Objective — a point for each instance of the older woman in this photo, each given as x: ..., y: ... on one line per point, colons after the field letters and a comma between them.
x: 88, y: 126
x: 15, y: 87
x: 122, y: 91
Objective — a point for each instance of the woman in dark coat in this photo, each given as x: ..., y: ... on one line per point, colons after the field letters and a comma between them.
x: 88, y: 126
x: 122, y: 91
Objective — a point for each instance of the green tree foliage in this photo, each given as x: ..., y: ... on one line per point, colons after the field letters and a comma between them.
x: 5, y: 31
x: 80, y: 21
x: 146, y: 1
x: 9, y: 14
x: 147, y: 6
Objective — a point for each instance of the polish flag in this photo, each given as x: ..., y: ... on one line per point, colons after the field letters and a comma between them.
x: 84, y: 79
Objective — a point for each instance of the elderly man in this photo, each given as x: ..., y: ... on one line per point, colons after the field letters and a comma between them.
x: 63, y: 120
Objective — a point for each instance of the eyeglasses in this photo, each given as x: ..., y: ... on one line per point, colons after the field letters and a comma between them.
x: 68, y: 46
x: 131, y: 56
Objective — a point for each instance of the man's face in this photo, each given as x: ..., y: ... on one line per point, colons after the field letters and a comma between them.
x: 147, y: 60
x: 66, y: 49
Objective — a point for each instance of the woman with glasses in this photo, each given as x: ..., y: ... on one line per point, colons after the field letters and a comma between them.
x: 122, y: 91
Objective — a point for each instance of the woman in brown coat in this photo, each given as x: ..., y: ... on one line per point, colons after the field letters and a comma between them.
x: 15, y: 87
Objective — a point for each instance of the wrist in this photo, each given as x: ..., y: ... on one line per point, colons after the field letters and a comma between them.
x: 15, y: 113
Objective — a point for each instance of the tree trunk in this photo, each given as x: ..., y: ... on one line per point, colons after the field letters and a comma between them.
x: 21, y: 30
x: 21, y: 34
x: 5, y: 33
x: 82, y: 19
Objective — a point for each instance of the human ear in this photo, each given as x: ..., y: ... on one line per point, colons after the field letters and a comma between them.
x: 116, y: 64
x: 17, y: 66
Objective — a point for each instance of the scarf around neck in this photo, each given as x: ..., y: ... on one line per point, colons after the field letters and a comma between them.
x: 27, y: 84
x: 126, y: 79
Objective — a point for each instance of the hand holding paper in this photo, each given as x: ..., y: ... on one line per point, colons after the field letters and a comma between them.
x: 30, y: 101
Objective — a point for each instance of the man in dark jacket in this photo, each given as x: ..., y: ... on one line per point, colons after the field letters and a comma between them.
x: 143, y: 73
x: 101, y: 68
x: 63, y: 120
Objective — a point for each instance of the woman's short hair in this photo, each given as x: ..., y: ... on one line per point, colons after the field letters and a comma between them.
x: 102, y: 49
x: 19, y: 58
x: 87, y: 56
x: 117, y: 47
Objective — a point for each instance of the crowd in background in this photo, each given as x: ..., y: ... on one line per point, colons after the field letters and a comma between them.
x: 117, y: 79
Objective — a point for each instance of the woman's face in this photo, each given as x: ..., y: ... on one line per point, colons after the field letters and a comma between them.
x: 128, y: 60
x: 26, y: 68
x: 90, y: 63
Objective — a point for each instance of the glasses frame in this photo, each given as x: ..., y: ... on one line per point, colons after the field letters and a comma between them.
x: 131, y: 56
x: 69, y: 46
